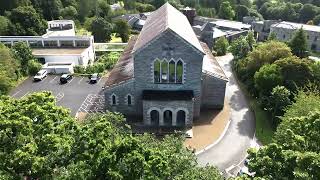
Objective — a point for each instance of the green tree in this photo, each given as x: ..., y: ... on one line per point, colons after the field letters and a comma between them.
x: 315, y: 67
x: 268, y: 77
x: 25, y: 21
x: 69, y: 12
x: 221, y: 46
x: 101, y: 29
x: 36, y: 135
x: 8, y: 70
x: 316, y: 20
x: 272, y: 36
x: 226, y: 11
x: 240, y: 48
x: 278, y: 102
x: 103, y: 9
x: 23, y: 53
x: 308, y: 12
x: 251, y: 39
x: 142, y: 7
x: 34, y: 67
x: 4, y: 26
x: 298, y: 43
x: 123, y: 30
x: 50, y: 9
x: 296, y: 72
x: 104, y: 151
x: 241, y: 11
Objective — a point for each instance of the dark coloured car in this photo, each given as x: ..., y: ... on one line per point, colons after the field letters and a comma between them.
x: 94, y: 78
x: 65, y: 78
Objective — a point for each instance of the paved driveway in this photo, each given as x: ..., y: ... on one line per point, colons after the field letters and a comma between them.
x: 237, y: 139
x: 71, y: 95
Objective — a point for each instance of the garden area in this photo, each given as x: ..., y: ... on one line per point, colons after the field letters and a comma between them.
x: 103, y: 64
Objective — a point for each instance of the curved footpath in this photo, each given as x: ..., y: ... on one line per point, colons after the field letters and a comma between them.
x: 231, y: 148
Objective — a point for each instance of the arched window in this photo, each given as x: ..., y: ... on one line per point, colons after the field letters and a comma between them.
x: 181, y: 118
x: 164, y: 71
x: 157, y: 71
x: 167, y: 117
x: 172, y: 72
x: 113, y: 100
x: 129, y: 100
x: 179, y: 70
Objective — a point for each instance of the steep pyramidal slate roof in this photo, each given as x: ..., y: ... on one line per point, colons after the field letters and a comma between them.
x: 167, y: 17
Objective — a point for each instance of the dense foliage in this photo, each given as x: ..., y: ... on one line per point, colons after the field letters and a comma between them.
x: 42, y: 140
x: 295, y: 153
x: 271, y: 71
x: 16, y: 62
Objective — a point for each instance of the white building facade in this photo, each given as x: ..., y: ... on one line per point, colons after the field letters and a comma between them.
x: 58, y: 45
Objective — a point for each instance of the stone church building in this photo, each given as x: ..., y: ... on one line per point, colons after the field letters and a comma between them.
x: 165, y: 75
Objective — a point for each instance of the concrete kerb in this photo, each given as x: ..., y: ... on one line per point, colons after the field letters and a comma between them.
x: 217, y: 141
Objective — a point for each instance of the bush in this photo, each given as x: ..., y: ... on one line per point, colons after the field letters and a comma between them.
x: 33, y: 67
x: 109, y: 60
x: 79, y: 69
x: 221, y: 46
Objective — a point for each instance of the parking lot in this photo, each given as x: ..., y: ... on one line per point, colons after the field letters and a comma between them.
x: 78, y: 94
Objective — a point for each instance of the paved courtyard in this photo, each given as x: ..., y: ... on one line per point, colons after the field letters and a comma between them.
x: 78, y: 94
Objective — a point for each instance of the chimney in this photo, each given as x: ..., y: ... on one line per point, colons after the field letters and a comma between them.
x: 190, y: 13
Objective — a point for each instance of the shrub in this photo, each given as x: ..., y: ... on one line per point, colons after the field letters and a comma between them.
x: 79, y: 69
x: 33, y: 67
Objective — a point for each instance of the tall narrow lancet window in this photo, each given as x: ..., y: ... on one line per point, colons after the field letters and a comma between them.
x: 172, y: 72
x: 179, y: 70
x: 129, y: 100
x: 157, y: 71
x: 164, y: 71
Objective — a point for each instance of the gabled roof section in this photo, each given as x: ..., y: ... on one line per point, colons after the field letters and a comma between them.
x: 123, y: 70
x: 164, y: 18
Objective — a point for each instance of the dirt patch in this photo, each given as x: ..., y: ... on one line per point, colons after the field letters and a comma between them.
x: 81, y: 116
x: 208, y: 128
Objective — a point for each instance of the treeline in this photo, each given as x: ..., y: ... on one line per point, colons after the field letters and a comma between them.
x: 286, y: 86
x: 40, y: 140
x: 29, y: 17
x: 295, y: 11
x: 273, y: 71
x: 15, y: 63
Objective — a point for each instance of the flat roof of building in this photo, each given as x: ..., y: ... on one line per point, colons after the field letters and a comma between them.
x: 61, y: 21
x: 57, y: 51
x: 292, y: 25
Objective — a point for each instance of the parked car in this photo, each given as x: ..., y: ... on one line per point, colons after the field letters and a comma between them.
x: 65, y: 78
x: 40, y: 75
x: 94, y: 78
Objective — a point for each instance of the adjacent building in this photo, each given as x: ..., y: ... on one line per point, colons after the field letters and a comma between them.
x: 59, y: 46
x: 284, y: 31
x: 165, y: 75
x: 209, y: 29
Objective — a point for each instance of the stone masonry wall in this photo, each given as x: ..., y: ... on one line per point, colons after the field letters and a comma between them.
x: 213, y: 92
x: 143, y: 64
x: 173, y: 106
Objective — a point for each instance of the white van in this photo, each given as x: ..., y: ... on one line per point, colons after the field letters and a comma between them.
x: 40, y: 75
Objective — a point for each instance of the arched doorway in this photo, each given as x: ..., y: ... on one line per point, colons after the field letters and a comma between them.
x: 181, y: 118
x: 155, y: 116
x: 167, y: 117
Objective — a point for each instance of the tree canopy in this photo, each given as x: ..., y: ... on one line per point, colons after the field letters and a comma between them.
x: 41, y: 140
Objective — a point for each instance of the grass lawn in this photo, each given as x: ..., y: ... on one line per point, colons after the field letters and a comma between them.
x: 264, y: 130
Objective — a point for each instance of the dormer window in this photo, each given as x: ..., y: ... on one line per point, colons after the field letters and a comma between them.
x: 168, y: 72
